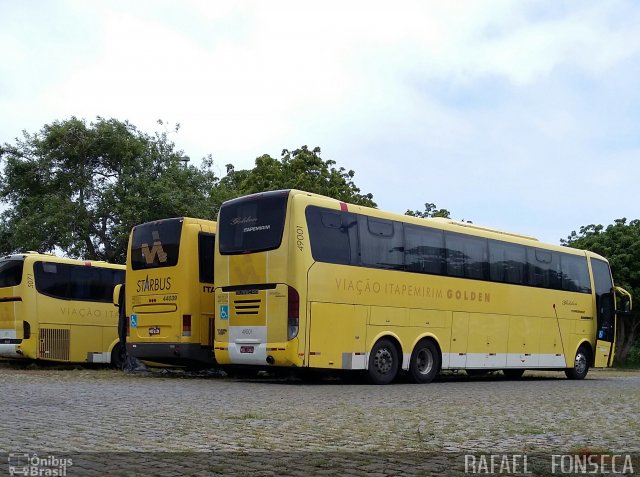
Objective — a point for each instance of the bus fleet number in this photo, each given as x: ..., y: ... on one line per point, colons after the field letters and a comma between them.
x: 299, y: 238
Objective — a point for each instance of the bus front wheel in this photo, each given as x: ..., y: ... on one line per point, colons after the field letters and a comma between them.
x: 580, y: 364
x: 425, y: 362
x: 384, y: 362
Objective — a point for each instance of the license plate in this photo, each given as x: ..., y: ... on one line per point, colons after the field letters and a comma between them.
x: 246, y: 349
x: 154, y: 330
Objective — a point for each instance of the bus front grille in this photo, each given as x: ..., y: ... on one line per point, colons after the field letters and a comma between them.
x: 54, y: 344
x: 247, y: 307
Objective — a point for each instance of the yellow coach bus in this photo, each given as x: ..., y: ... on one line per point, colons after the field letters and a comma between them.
x: 59, y: 309
x: 169, y: 292
x: 310, y: 282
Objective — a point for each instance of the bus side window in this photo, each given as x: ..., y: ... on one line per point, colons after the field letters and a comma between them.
x: 575, y: 273
x: 544, y: 269
x: 333, y: 236
x: 507, y: 262
x: 52, y: 279
x: 206, y: 246
x: 381, y: 243
x: 466, y: 256
x: 424, y: 250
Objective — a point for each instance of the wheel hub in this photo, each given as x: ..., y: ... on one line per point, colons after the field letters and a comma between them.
x: 383, y: 361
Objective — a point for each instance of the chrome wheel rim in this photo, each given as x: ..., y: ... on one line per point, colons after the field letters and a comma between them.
x: 580, y: 364
x: 424, y: 361
x: 383, y: 361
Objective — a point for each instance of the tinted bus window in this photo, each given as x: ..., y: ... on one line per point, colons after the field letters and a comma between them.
x: 206, y: 247
x: 544, y: 268
x: 333, y: 235
x: 466, y: 256
x: 424, y: 250
x: 156, y: 244
x: 76, y: 282
x: 507, y: 262
x: 381, y: 243
x: 575, y: 274
x: 252, y: 224
x: 11, y: 273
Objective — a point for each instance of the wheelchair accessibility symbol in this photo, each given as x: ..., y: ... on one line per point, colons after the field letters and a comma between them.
x: 134, y: 321
x: 224, y: 312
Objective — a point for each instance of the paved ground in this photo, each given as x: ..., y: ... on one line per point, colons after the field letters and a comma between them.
x: 98, y: 410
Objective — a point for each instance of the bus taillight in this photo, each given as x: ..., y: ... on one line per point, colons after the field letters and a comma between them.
x: 293, y: 315
x: 186, y: 325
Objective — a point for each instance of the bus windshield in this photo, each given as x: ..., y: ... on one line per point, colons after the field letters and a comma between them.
x: 11, y: 273
x: 156, y: 244
x: 252, y: 224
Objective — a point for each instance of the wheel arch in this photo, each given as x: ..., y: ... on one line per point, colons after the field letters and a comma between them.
x: 113, y: 345
x: 584, y: 343
x: 390, y: 335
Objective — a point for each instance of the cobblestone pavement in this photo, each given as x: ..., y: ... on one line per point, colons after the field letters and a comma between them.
x: 107, y: 411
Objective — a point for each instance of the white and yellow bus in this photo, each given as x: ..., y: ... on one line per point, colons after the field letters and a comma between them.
x: 169, y: 292
x: 307, y: 281
x: 58, y: 309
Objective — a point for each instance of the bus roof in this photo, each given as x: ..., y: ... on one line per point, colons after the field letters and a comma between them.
x: 441, y: 223
x: 50, y: 257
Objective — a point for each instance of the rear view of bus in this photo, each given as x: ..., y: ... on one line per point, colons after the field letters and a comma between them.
x: 169, y: 292
x: 13, y: 328
x: 258, y: 305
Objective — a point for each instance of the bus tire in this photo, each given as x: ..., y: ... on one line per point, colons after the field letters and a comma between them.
x: 513, y: 373
x: 580, y: 364
x: 425, y: 362
x: 118, y: 356
x: 384, y: 362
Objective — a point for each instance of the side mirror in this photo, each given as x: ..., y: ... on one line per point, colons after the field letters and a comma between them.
x: 116, y: 294
x: 624, y: 301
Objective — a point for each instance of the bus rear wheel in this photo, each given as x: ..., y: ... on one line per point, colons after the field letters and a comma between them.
x: 580, y: 364
x: 384, y: 362
x: 425, y: 362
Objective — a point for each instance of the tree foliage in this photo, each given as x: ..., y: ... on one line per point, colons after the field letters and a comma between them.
x: 620, y: 244
x: 430, y: 210
x: 80, y: 187
x: 304, y: 169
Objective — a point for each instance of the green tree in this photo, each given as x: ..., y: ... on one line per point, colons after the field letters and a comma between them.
x: 80, y: 187
x: 302, y: 169
x: 430, y: 210
x: 620, y: 244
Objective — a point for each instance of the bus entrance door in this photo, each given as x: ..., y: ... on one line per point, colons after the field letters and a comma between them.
x: 605, y: 313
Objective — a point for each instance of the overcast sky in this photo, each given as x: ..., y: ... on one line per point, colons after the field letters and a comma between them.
x: 522, y: 116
